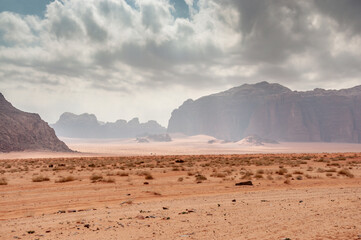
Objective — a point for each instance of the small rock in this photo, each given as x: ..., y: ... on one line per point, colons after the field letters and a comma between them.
x: 30, y: 232
x: 234, y: 200
x: 87, y: 225
x: 146, y: 183
x: 165, y: 208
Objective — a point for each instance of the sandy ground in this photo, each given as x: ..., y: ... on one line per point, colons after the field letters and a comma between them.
x: 180, y: 145
x: 295, y: 196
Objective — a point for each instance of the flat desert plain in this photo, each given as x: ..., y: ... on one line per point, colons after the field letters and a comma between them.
x: 292, y: 196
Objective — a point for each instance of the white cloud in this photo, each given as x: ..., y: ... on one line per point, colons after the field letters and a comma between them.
x: 107, y: 47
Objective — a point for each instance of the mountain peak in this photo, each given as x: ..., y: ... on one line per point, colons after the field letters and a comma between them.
x: 260, y: 88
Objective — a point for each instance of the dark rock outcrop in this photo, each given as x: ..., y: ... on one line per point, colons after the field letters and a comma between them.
x: 88, y: 126
x: 21, y: 131
x: 255, y: 140
x: 274, y: 112
x: 154, y: 138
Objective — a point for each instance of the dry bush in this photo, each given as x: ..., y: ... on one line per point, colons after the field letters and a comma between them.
x: 148, y: 176
x: 200, y: 178
x: 281, y: 171
x: 123, y: 174
x: 40, y: 178
x: 108, y: 180
x: 96, y: 178
x: 346, y: 172
x: 247, y: 175
x: 218, y: 175
x: 298, y: 172
x: 3, y: 181
x: 65, y: 179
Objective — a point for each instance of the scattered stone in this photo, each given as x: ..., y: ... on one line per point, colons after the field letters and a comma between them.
x: 179, y: 161
x: 87, y: 225
x: 264, y: 201
x: 61, y: 211
x: 246, y: 183
x: 30, y: 232
x: 165, y: 208
x: 146, y: 183
x: 71, y: 211
x: 300, y: 201
x: 234, y: 200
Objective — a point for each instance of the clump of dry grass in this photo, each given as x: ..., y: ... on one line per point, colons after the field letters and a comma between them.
x: 65, y: 179
x: 218, y: 175
x: 40, y: 178
x: 282, y: 171
x: 346, y: 172
x: 148, y: 176
x: 200, y: 178
x: 96, y: 178
x: 123, y: 174
x: 3, y: 181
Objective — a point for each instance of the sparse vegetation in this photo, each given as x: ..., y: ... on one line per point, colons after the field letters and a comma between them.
x: 65, y: 179
x: 40, y: 178
x: 3, y: 181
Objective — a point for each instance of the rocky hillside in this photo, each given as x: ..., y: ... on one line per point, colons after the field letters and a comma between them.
x: 21, y: 131
x: 275, y: 112
x: 88, y: 126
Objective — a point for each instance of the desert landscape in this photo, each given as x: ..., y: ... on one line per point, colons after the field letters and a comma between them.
x: 180, y: 119
x: 292, y: 196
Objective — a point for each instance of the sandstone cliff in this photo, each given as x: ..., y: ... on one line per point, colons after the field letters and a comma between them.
x: 21, y: 131
x: 275, y: 112
x: 88, y: 126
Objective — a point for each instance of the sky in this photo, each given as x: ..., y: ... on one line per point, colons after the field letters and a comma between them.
x: 120, y: 59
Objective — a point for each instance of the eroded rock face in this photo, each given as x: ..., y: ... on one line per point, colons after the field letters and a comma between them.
x: 275, y: 112
x: 21, y: 131
x: 88, y: 126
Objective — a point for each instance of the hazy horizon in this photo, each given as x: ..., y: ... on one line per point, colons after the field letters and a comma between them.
x: 126, y: 59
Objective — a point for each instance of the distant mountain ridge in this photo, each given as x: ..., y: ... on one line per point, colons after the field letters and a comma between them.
x: 275, y: 112
x: 21, y: 131
x: 87, y: 126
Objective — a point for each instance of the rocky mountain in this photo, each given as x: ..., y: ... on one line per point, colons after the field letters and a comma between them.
x: 87, y: 126
x: 21, y: 131
x: 275, y: 112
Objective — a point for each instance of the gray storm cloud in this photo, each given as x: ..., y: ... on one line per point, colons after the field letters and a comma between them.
x: 128, y: 51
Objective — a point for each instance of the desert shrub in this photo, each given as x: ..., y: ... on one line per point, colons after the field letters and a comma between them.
x: 200, y: 177
x: 346, y: 172
x: 258, y: 176
x: 3, y: 181
x: 247, y: 175
x: 298, y: 172
x: 123, y: 174
x: 40, y: 178
x: 65, y: 179
x: 282, y: 171
x: 108, y: 180
x: 218, y: 175
x: 148, y: 176
x: 96, y: 177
